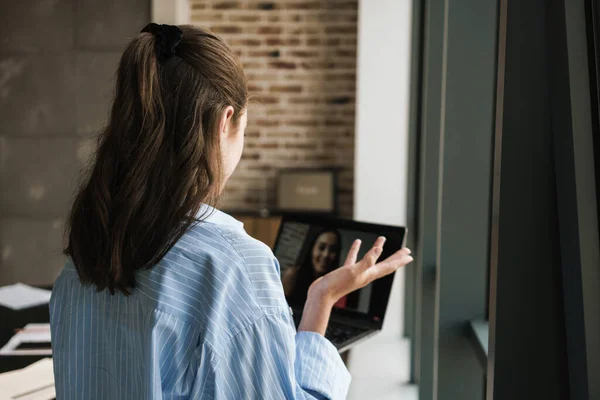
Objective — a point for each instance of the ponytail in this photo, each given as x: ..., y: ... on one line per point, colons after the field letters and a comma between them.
x: 157, y: 159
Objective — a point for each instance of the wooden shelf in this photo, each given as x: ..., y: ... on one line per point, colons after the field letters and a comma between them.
x: 262, y: 228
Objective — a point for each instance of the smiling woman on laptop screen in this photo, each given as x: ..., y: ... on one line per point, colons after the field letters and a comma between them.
x: 321, y: 255
x: 163, y: 295
x: 307, y: 249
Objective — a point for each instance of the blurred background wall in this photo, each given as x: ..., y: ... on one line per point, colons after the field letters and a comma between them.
x: 57, y: 62
x: 300, y: 59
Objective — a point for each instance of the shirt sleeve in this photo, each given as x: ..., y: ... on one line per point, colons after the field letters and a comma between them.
x: 269, y: 360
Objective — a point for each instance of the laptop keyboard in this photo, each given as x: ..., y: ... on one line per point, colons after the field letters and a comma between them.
x: 336, y: 333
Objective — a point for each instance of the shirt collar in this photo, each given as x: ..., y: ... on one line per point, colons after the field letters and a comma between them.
x: 218, y: 217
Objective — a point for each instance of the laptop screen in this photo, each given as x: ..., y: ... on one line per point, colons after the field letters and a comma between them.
x: 308, y: 248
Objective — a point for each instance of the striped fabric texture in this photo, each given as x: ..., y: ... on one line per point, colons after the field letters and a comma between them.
x: 209, y: 321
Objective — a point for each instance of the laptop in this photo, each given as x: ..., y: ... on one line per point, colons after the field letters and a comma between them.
x: 309, y: 246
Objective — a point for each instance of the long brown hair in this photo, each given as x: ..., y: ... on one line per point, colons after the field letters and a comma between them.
x: 157, y: 160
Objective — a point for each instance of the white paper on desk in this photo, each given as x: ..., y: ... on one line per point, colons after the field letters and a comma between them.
x: 20, y: 296
x: 34, y: 382
x: 31, y: 333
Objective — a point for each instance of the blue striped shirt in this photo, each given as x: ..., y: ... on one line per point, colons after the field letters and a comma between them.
x: 209, y: 321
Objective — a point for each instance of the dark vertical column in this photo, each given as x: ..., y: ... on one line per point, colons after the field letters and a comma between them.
x: 433, y: 44
x: 576, y: 191
x: 527, y: 349
x: 412, y: 203
x: 587, y: 195
x: 466, y: 143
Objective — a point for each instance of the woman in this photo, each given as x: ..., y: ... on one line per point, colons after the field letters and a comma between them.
x: 321, y: 256
x: 164, y: 296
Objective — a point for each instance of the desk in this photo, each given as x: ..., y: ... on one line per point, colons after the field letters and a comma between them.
x: 10, y: 320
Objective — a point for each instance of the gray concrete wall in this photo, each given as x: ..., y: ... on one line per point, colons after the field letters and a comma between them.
x: 57, y: 63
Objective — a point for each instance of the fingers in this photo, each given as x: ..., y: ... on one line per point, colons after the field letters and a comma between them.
x: 390, y: 264
x: 405, y: 251
x: 353, y: 253
x: 371, y: 257
x: 379, y: 242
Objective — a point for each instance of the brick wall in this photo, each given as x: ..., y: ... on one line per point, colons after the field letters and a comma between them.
x: 300, y: 58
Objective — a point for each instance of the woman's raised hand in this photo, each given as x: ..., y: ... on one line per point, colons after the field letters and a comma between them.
x: 354, y: 275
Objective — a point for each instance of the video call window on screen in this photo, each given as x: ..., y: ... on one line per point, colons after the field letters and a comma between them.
x: 306, y: 252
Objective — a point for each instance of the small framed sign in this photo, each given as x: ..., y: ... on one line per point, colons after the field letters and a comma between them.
x: 307, y: 190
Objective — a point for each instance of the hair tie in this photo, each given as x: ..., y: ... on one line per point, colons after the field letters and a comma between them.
x: 167, y: 39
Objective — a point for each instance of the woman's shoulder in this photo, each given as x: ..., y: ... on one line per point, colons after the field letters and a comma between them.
x: 250, y: 260
x: 209, y: 240
x: 234, y: 239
